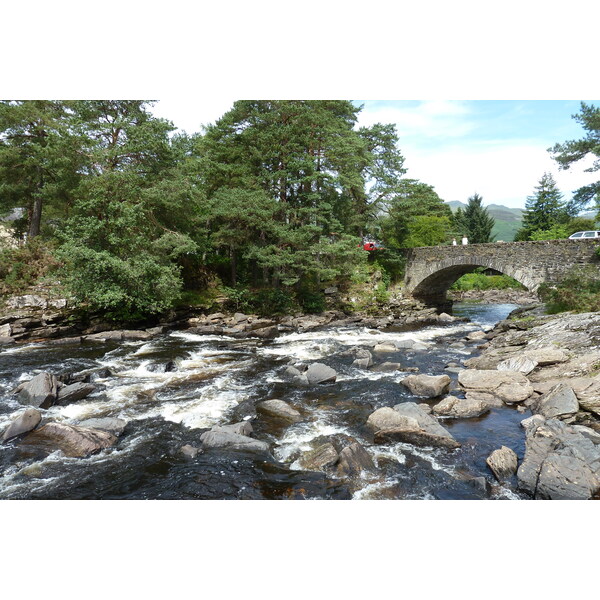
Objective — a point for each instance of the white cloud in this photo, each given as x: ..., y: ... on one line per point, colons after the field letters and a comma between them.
x: 429, y: 119
x: 502, y: 173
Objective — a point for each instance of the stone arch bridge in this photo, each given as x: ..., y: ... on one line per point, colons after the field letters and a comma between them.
x: 431, y: 271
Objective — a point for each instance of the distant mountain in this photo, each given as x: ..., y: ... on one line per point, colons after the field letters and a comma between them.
x: 507, y: 220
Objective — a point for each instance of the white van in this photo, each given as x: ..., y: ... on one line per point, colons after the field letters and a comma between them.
x: 585, y: 234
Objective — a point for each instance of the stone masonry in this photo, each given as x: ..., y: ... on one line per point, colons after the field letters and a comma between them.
x: 431, y: 271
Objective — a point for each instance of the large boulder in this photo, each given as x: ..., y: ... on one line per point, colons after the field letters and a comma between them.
x: 461, y: 408
x: 509, y: 386
x: 560, y: 463
x: 412, y: 426
x: 353, y: 460
x: 40, y: 392
x: 279, y: 409
x: 426, y: 422
x: 560, y: 401
x: 29, y: 419
x: 503, y: 463
x: 320, y: 373
x: 74, y: 392
x: 386, y: 417
x: 427, y: 386
x: 232, y: 441
x: 319, y: 458
x: 76, y: 442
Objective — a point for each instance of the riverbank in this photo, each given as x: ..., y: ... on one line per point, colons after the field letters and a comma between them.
x: 548, y: 365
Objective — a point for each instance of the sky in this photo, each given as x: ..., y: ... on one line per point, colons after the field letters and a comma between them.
x: 496, y: 148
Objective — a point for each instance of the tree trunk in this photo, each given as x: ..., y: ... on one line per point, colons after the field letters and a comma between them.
x: 233, y: 266
x: 36, y: 218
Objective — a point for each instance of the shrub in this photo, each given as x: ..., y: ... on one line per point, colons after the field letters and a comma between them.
x: 579, y: 292
x: 24, y: 266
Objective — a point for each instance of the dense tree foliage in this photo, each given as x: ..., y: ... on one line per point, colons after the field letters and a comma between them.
x: 474, y: 221
x: 572, y: 151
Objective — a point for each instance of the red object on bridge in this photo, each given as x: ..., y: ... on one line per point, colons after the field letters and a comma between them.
x: 370, y: 246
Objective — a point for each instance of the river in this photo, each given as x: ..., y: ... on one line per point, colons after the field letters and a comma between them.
x: 217, y: 380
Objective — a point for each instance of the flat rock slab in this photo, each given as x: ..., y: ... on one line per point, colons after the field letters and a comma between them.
x: 240, y: 428
x: 427, y: 386
x: 547, y: 356
x: 29, y: 419
x: 509, y: 386
x: 522, y: 364
x: 320, y: 373
x: 461, y: 408
x: 74, y: 392
x: 503, y: 463
x: 279, y: 409
x: 320, y: 458
x: 76, y: 442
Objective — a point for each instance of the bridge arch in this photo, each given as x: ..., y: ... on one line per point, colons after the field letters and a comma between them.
x: 431, y: 271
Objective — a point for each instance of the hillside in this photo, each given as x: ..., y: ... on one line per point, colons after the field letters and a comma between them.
x: 508, y: 220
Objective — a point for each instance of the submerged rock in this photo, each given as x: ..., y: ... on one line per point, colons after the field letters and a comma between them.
x: 427, y: 386
x: 189, y: 451
x: 29, y: 419
x: 503, y: 463
x: 76, y: 442
x: 233, y: 441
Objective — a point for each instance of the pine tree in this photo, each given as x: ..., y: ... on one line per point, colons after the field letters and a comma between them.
x: 545, y: 208
x: 39, y: 159
x: 475, y: 221
x: 574, y: 150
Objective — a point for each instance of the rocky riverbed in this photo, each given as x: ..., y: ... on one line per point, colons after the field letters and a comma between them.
x: 413, y: 405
